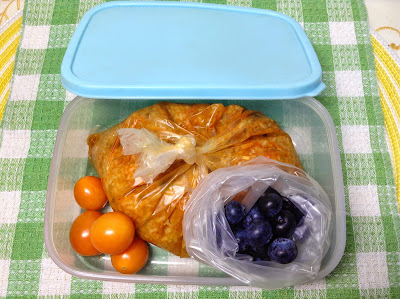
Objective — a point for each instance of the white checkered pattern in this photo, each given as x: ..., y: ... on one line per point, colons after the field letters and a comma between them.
x: 53, y: 280
x: 17, y: 145
x: 342, y: 33
x: 10, y: 202
x: 364, y: 201
x: 118, y: 288
x: 349, y: 84
x: 5, y: 268
x: 25, y: 88
x: 40, y: 40
x: 356, y: 139
x: 372, y: 270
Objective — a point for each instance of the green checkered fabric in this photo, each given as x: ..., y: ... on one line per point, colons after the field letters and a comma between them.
x: 339, y: 32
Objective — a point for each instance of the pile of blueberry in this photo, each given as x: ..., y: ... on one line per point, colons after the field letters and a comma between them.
x: 265, y: 232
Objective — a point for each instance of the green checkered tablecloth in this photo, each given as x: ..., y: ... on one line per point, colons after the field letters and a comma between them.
x: 339, y: 32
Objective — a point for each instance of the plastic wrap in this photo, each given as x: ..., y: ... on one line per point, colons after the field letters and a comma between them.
x: 156, y: 155
x: 209, y: 238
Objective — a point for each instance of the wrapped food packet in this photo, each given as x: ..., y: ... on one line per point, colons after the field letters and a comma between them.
x: 209, y: 237
x: 151, y: 162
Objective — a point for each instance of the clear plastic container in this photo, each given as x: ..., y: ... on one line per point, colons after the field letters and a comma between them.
x: 305, y: 120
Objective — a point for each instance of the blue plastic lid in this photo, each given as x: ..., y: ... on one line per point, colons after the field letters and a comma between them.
x: 174, y: 50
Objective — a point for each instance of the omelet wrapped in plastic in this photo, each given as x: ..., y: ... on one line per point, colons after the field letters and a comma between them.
x: 151, y: 162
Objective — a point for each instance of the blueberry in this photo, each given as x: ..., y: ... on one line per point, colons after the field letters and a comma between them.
x: 259, y: 233
x: 241, y: 239
x: 284, y: 224
x: 282, y: 251
x: 253, y: 214
x: 270, y: 204
x: 260, y: 253
x: 288, y: 205
x: 234, y: 212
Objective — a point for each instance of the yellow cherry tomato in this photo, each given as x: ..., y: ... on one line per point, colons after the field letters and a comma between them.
x: 132, y: 259
x: 79, y: 234
x: 89, y: 193
x: 112, y: 233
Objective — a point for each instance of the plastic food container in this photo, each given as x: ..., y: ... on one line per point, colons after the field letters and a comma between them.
x: 306, y: 120
x: 113, y: 91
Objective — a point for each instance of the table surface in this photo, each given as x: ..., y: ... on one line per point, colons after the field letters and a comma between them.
x: 339, y: 32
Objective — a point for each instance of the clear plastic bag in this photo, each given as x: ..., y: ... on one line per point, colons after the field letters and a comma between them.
x: 209, y: 238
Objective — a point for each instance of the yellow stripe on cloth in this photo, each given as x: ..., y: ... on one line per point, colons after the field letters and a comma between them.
x: 9, y: 40
x: 3, y: 103
x: 389, y: 88
x: 10, y: 31
x: 388, y: 72
x: 9, y: 51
